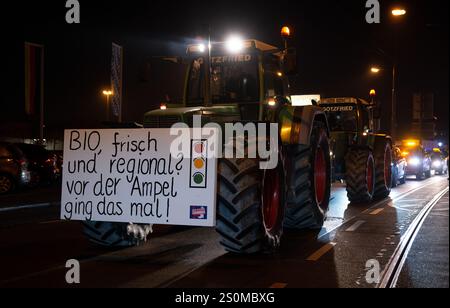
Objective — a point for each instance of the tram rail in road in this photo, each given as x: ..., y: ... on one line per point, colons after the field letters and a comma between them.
x: 394, y: 268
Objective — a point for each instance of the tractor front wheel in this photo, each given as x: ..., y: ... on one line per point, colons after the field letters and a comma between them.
x: 251, y: 206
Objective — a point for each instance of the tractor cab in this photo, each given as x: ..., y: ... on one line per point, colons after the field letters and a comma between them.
x: 231, y: 81
x: 350, y: 115
x: 352, y: 123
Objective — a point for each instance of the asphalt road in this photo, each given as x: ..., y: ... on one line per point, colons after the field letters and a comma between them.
x: 35, y: 245
x: 427, y: 265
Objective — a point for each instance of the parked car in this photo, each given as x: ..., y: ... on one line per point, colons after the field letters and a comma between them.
x: 41, y: 163
x: 14, y: 172
x: 439, y: 162
x: 399, y: 165
x: 419, y: 162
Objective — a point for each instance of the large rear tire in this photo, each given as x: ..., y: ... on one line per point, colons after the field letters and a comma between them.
x: 251, y: 205
x: 310, y: 183
x: 360, y: 175
x: 383, y: 170
x: 113, y: 235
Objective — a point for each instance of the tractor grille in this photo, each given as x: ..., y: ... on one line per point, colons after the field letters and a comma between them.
x: 161, y: 122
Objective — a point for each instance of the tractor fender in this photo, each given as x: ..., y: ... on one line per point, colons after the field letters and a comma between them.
x: 296, y: 124
x: 380, y: 140
x: 371, y: 141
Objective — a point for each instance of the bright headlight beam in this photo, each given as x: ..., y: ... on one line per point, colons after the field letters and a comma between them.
x: 437, y: 164
x: 235, y: 44
x: 414, y: 161
x: 201, y: 48
x: 272, y: 102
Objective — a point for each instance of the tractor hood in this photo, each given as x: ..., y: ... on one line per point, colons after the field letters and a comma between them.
x: 166, y: 118
x: 174, y: 111
x: 229, y: 109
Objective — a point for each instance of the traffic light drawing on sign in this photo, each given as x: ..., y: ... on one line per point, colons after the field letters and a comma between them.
x: 199, y: 167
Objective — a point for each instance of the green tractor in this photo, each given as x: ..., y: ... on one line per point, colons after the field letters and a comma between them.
x: 361, y: 156
x: 246, y: 81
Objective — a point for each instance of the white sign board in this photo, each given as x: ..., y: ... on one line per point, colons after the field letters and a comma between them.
x: 304, y: 100
x: 134, y: 176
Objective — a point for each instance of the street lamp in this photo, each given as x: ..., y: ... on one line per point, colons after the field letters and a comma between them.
x: 375, y: 70
x: 108, y: 94
x: 398, y: 12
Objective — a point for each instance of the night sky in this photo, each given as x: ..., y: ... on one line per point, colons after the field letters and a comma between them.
x: 336, y: 48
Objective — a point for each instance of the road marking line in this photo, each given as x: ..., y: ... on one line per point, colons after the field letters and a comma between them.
x: 24, y: 207
x: 278, y: 285
x: 321, y: 252
x: 394, y: 199
x: 355, y: 226
x: 377, y: 211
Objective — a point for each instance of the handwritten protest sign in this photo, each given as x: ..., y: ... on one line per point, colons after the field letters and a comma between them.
x: 134, y: 176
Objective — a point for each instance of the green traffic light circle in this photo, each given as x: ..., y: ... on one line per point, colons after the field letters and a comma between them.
x: 199, y: 178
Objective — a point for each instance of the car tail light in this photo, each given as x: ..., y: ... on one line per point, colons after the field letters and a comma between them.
x: 23, y: 164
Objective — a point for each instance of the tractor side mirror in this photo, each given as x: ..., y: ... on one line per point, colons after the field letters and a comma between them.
x: 290, y: 62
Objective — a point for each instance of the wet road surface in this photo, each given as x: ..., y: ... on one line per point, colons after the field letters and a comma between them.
x: 35, y: 246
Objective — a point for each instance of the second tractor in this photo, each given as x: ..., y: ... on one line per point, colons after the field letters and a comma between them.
x: 362, y: 156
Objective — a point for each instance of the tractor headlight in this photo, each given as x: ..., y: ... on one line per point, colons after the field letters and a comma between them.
x: 235, y: 44
x: 202, y: 48
x: 272, y: 102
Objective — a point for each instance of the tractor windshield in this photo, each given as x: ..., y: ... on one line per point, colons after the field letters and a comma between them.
x: 234, y: 79
x: 342, y: 118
